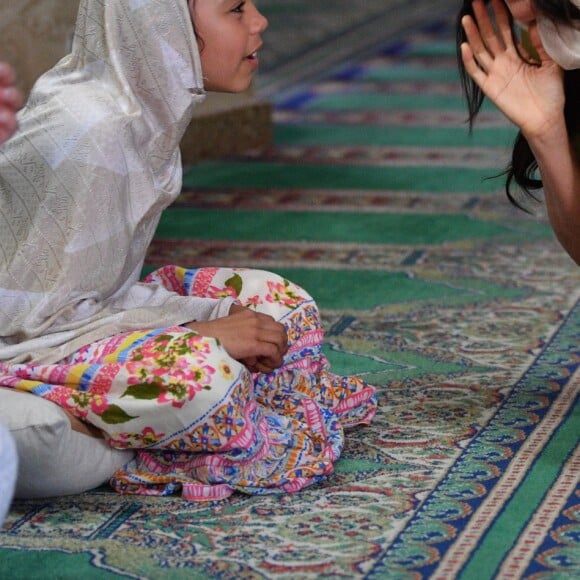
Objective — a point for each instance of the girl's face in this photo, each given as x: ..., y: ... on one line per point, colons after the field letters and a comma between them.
x: 230, y: 39
x: 523, y: 11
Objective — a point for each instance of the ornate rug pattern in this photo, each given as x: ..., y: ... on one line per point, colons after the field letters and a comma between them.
x: 462, y: 310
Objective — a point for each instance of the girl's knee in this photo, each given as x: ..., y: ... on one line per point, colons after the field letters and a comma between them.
x: 269, y: 292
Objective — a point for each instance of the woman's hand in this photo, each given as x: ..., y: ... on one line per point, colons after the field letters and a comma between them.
x: 10, y: 101
x: 531, y: 96
x: 254, y: 339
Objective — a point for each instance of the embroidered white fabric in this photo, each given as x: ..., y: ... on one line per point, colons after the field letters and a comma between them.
x: 85, y: 179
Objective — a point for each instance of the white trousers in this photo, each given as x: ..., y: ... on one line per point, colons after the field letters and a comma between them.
x: 8, y: 471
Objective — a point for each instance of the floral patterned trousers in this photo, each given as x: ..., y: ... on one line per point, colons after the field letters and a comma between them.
x: 201, y: 423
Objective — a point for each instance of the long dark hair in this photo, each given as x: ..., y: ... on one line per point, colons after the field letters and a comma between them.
x: 523, y: 166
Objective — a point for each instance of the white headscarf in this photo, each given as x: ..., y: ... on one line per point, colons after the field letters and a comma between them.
x: 561, y: 41
x: 84, y: 181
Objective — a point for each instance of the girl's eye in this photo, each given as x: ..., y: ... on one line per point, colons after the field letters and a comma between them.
x: 239, y: 8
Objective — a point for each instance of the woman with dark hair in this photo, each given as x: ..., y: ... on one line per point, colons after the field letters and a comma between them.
x: 535, y: 82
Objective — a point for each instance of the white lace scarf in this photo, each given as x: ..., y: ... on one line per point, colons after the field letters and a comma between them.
x: 84, y: 182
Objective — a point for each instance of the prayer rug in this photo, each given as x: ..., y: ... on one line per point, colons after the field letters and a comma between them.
x: 463, y: 311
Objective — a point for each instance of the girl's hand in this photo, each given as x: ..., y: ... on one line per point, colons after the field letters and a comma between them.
x: 530, y: 96
x: 10, y: 101
x: 254, y: 339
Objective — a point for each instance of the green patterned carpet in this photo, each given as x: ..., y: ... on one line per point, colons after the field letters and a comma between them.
x: 462, y: 310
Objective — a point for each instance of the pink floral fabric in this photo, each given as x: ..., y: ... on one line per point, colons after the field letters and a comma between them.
x: 201, y: 423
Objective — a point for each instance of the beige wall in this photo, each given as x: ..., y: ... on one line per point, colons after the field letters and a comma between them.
x: 35, y: 34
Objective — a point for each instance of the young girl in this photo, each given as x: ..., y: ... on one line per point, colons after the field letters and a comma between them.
x: 215, y: 375
x: 535, y: 93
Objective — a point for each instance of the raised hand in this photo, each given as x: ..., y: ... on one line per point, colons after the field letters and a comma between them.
x: 10, y: 101
x: 254, y: 339
x: 531, y: 95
